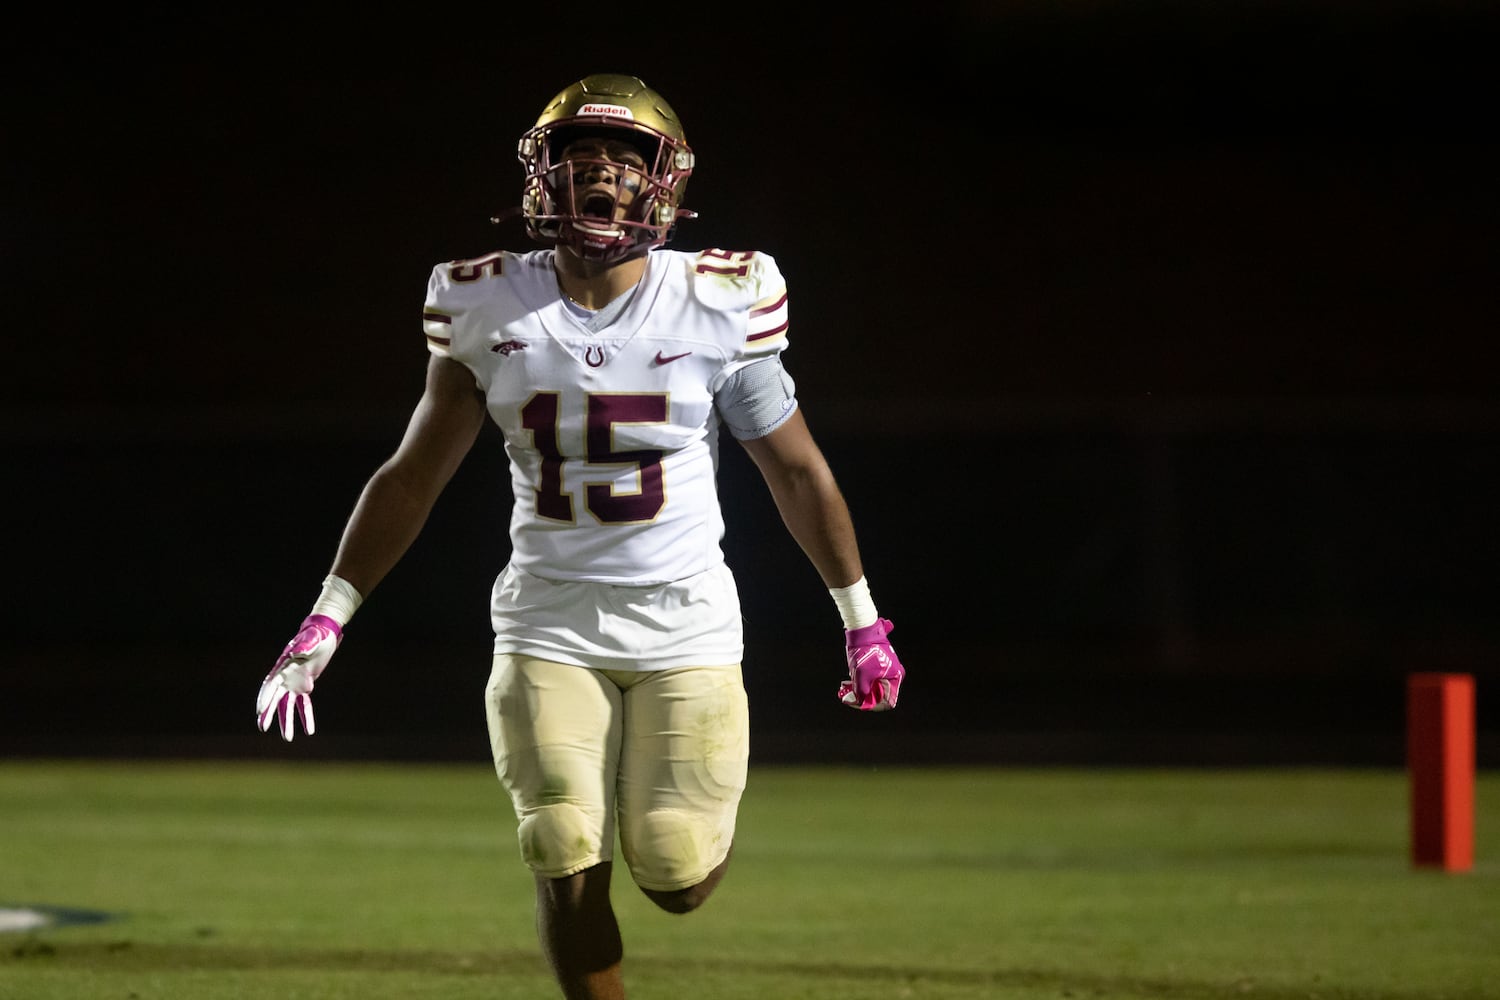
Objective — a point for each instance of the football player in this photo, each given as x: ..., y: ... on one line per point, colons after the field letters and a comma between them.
x: 611, y: 364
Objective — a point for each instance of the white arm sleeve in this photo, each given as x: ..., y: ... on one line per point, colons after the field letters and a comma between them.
x: 756, y: 399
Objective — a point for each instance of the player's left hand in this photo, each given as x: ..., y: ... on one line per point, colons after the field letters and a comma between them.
x: 875, y: 674
x: 287, y: 690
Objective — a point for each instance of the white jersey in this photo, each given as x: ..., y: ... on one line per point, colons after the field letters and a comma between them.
x: 612, y: 436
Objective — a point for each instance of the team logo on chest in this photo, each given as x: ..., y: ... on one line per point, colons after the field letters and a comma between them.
x: 505, y: 348
x: 593, y: 353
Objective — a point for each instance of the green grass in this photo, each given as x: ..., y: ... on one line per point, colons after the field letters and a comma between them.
x: 326, y: 881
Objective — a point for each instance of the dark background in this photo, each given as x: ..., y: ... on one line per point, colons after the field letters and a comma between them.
x: 1154, y: 346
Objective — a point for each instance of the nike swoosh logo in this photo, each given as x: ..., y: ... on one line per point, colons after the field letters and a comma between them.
x: 670, y: 358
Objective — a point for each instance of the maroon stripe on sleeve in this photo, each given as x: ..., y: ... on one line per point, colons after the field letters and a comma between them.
x: 769, y: 333
x: 770, y: 308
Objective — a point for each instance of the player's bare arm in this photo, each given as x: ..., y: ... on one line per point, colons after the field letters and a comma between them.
x: 817, y: 516
x: 809, y: 499
x: 399, y: 496
x: 387, y: 519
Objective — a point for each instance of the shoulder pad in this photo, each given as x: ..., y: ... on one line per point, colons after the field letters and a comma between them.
x: 457, y: 286
x: 735, y: 279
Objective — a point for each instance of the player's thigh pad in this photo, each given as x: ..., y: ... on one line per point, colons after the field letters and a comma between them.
x: 683, y: 762
x: 554, y: 734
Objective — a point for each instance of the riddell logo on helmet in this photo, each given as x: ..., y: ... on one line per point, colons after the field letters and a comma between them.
x: 606, y: 109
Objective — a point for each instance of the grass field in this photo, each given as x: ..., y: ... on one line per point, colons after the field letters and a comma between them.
x: 231, y: 880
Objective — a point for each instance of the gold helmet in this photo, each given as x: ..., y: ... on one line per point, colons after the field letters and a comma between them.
x: 612, y: 106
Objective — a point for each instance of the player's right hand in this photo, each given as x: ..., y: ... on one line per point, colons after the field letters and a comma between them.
x: 287, y: 690
x: 875, y: 674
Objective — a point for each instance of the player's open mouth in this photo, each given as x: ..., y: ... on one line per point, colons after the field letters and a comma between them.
x: 599, y: 206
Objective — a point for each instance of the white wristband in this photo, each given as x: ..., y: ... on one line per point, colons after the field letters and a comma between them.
x: 855, y: 606
x: 338, y: 600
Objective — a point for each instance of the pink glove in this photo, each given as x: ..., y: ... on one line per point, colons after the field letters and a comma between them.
x: 874, y: 672
x: 287, y: 689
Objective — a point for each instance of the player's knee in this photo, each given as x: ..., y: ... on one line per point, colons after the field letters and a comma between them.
x: 671, y: 855
x: 679, y: 900
x: 558, y: 840
x: 688, y: 899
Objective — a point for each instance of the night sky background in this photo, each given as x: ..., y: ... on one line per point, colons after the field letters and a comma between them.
x: 1154, y: 346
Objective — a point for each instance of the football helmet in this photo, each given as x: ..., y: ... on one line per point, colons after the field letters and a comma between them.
x: 607, y: 106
